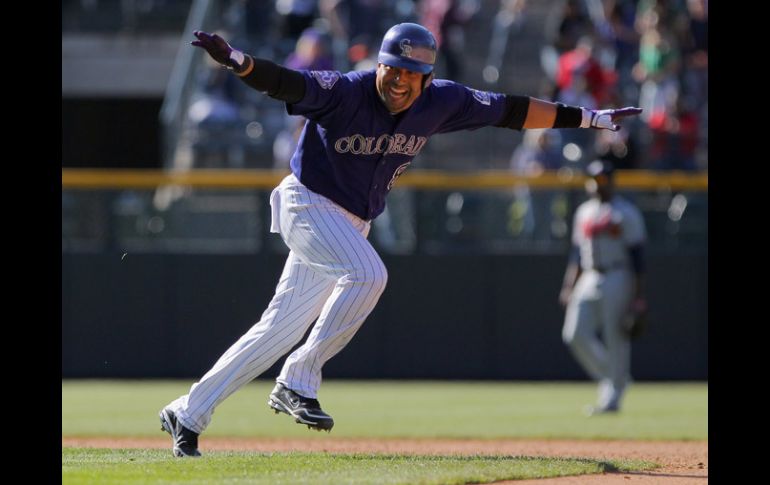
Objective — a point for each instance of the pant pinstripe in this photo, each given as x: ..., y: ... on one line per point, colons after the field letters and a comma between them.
x: 332, y: 274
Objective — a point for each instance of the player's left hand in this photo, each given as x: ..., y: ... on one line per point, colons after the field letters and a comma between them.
x: 606, y: 118
x: 218, y: 49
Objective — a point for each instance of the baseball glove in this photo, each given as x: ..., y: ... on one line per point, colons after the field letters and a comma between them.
x: 635, y: 325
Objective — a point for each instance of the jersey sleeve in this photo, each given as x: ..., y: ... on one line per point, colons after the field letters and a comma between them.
x: 468, y: 108
x: 326, y: 93
x: 634, y: 231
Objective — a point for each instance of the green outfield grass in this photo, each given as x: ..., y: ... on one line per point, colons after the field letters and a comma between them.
x: 90, y: 466
x: 372, y: 409
x: 398, y: 409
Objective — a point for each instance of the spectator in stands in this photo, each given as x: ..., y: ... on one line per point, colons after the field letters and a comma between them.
x: 531, y: 213
x: 574, y: 23
x: 579, y: 73
x: 620, y: 34
x: 618, y: 148
x: 446, y: 19
x: 296, y: 16
x: 695, y: 75
x: 539, y: 150
x: 312, y: 51
x: 658, y: 66
x: 212, y: 114
x: 356, y: 27
x: 674, y: 137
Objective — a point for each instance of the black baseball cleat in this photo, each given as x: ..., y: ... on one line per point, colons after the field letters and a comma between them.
x: 185, y: 440
x: 303, y: 409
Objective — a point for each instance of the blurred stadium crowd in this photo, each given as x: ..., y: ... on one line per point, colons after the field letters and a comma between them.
x: 593, y: 53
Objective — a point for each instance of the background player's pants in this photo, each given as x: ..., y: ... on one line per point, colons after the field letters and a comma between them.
x: 599, y: 303
x: 332, y: 273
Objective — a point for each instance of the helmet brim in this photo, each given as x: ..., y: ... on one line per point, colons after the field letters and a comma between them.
x: 404, y: 63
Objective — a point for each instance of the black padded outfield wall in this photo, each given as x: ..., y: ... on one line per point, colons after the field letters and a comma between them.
x: 441, y: 317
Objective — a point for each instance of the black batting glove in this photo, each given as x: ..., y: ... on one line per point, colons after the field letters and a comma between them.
x: 219, y: 50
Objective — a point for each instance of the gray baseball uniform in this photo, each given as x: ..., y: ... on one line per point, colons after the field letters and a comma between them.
x: 603, y: 232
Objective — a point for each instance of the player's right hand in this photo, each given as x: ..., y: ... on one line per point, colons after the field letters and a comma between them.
x: 564, y: 296
x: 218, y: 49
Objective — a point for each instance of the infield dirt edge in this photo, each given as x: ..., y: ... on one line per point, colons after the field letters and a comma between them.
x: 682, y: 462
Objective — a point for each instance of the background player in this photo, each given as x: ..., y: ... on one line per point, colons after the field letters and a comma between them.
x: 603, y: 284
x: 363, y: 129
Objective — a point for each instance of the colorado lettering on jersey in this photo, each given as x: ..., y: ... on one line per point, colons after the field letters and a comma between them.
x: 348, y: 135
x: 385, y: 144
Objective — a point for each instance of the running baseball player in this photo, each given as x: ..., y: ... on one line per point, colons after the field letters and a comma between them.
x: 603, y: 285
x: 363, y: 129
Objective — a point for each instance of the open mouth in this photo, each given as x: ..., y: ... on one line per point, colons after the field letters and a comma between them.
x: 397, y: 94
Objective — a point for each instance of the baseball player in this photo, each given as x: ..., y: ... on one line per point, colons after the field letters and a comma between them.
x: 362, y: 131
x: 603, y: 285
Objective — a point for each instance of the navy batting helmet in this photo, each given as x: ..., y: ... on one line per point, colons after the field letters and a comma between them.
x: 408, y: 46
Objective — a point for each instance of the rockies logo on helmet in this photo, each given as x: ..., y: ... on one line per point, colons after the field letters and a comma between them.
x: 406, y: 49
x: 408, y: 46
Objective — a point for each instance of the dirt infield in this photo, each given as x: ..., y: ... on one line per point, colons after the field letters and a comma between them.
x: 682, y: 463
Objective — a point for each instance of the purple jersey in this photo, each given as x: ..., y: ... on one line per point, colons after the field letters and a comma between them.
x: 352, y: 149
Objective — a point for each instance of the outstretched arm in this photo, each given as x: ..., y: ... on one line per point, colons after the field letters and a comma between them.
x: 268, y: 77
x: 544, y: 114
x: 527, y: 112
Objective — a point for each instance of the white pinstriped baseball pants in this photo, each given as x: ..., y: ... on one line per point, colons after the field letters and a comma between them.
x: 332, y: 274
